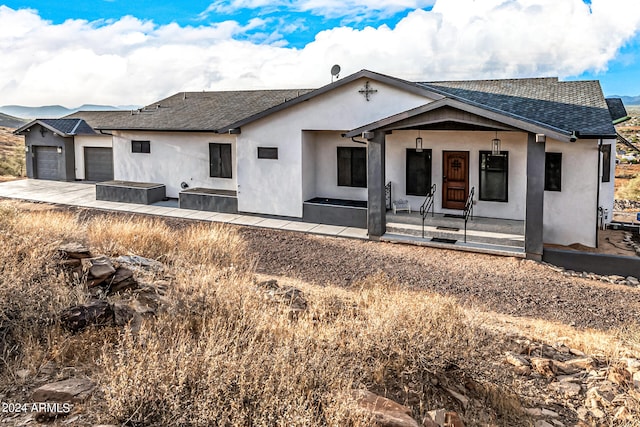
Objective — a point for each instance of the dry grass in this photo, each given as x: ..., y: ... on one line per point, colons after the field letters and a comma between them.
x: 12, y: 156
x: 221, y: 353
x: 630, y: 190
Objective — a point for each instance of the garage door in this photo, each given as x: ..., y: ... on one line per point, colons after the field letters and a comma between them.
x: 98, y: 164
x: 46, y: 162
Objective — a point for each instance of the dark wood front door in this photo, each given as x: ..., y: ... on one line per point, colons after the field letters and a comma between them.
x: 455, y: 179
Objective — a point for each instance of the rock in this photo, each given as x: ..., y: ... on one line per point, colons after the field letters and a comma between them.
x: 567, y: 389
x: 542, y: 423
x: 98, y: 268
x: 23, y: 373
x: 543, y: 366
x: 464, y: 401
x: 74, y: 390
x: 386, y: 412
x: 121, y: 281
x: 516, y: 360
x: 565, y: 368
x: 125, y: 315
x: 633, y: 281
x: 585, y: 363
x: 622, y: 414
x: 549, y: 413
x: 636, y: 379
x: 98, y: 313
x: 619, y: 376
x: 293, y: 297
x: 74, y: 250
x: 597, y: 413
x: 444, y: 418
x: 138, y: 262
x: 633, y: 365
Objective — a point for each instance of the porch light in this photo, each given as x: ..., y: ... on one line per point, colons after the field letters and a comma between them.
x: 495, y: 145
x: 59, y: 150
x: 26, y: 148
x: 418, y: 143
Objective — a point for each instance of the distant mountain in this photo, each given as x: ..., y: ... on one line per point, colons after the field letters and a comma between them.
x: 628, y: 100
x: 10, y: 121
x: 57, y: 111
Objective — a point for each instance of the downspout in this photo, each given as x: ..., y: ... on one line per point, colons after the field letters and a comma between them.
x: 598, y: 192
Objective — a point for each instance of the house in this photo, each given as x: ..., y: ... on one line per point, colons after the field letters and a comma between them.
x: 533, y: 152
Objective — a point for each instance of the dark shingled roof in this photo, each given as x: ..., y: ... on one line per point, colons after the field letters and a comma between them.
x: 567, y: 106
x: 616, y: 108
x: 192, y: 111
x: 65, y: 127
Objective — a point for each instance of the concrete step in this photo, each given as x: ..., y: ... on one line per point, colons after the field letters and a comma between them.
x: 483, y: 248
x: 476, y: 223
x: 476, y: 236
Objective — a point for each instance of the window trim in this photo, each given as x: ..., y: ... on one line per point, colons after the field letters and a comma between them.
x: 221, y: 159
x: 140, y: 146
x: 505, y: 172
x: 268, y: 153
x: 547, y: 156
x: 351, y: 149
x: 606, y: 163
x: 427, y: 152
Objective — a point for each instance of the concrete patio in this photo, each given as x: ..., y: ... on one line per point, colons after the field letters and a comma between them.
x: 84, y: 195
x: 80, y: 194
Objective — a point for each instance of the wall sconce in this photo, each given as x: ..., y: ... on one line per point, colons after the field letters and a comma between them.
x: 541, y: 138
x: 26, y: 148
x: 495, y: 145
x: 418, y: 143
x: 59, y: 150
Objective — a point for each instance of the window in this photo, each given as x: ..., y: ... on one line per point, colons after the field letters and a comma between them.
x: 552, y: 171
x: 267, y: 152
x: 140, y: 146
x: 352, y: 166
x: 606, y: 163
x: 494, y: 176
x: 220, y: 160
x: 418, y: 172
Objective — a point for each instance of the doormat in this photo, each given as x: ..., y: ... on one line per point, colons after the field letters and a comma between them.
x: 441, y: 240
x: 444, y: 227
x: 453, y: 216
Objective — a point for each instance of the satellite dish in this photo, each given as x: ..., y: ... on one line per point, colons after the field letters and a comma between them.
x: 335, y: 72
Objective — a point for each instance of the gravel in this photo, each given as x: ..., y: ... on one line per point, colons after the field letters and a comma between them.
x: 506, y: 285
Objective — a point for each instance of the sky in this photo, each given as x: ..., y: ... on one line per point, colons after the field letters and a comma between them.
x: 122, y: 52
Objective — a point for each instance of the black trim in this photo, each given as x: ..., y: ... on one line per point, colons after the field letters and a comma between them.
x: 268, y: 153
x: 140, y: 146
x: 220, y: 165
x: 489, y: 167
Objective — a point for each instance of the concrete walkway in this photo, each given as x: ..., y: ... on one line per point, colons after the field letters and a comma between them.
x: 84, y: 195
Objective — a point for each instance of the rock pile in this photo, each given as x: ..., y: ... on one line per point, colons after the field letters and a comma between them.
x: 613, y: 279
x: 597, y: 392
x: 116, y: 297
x: 622, y: 205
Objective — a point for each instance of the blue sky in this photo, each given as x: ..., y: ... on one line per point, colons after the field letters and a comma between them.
x: 124, y: 52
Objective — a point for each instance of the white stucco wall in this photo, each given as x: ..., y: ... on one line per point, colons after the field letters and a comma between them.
x: 607, y: 190
x: 276, y: 187
x: 570, y: 214
x: 473, y: 142
x: 175, y: 157
x: 81, y: 141
x: 326, y: 158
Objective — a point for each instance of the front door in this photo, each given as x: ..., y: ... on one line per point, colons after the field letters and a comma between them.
x: 455, y: 179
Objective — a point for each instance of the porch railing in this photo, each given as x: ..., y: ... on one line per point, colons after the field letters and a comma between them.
x: 387, y: 195
x: 468, y: 211
x: 428, y: 205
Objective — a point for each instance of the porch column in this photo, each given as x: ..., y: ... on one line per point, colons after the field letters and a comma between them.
x: 533, y: 236
x: 377, y: 209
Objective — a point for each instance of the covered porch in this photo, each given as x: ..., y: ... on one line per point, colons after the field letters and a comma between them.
x: 442, y: 158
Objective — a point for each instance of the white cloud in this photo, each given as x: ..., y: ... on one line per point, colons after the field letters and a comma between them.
x: 131, y: 61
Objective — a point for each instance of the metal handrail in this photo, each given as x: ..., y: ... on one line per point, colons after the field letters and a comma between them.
x: 428, y: 204
x: 468, y: 211
x: 387, y: 194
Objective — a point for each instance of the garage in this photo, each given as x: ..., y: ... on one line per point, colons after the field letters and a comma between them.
x: 46, y: 162
x: 98, y: 163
